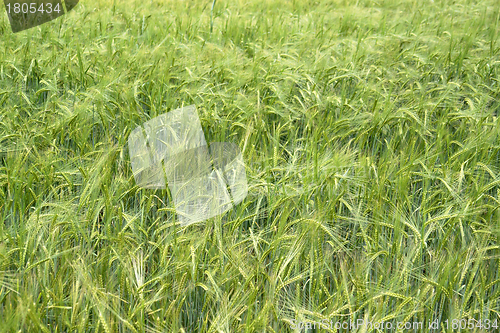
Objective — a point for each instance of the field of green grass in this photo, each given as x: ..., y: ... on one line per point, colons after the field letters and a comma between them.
x: 371, y: 140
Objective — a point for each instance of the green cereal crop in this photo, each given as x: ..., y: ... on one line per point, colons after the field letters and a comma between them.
x: 370, y: 135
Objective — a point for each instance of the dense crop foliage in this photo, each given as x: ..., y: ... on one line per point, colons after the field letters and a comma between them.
x: 370, y: 134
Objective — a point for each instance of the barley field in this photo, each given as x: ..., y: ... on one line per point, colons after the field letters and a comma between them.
x: 371, y: 141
